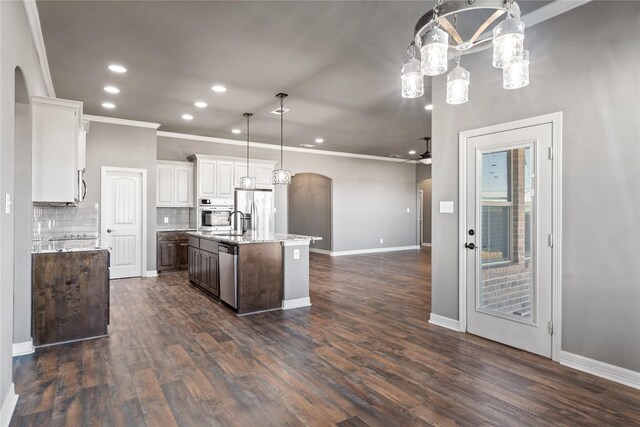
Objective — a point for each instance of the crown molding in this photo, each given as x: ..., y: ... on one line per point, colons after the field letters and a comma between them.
x: 124, y: 122
x: 551, y: 10
x: 33, y: 17
x: 277, y: 147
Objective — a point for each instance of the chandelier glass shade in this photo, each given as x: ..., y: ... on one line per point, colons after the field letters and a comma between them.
x: 458, y: 86
x: 516, y: 75
x: 435, y: 52
x: 281, y: 176
x: 412, y: 81
x: 247, y: 182
x: 438, y: 41
x: 508, y: 42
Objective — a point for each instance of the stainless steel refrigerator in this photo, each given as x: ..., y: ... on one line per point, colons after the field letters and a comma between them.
x: 257, y: 206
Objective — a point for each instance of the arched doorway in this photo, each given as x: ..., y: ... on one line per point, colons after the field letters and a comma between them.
x: 310, y: 208
x: 22, y: 214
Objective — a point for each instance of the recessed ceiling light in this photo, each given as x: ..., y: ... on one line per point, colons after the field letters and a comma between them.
x: 187, y: 117
x: 428, y: 107
x: 200, y: 104
x: 280, y: 111
x: 117, y: 68
x: 236, y: 131
x: 111, y: 89
x: 319, y: 140
x: 109, y: 105
x: 412, y: 152
x: 218, y: 88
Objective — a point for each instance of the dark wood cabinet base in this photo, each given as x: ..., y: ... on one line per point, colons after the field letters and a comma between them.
x: 70, y: 296
x: 172, y: 251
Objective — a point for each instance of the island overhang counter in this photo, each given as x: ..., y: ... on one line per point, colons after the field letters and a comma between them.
x: 270, y: 270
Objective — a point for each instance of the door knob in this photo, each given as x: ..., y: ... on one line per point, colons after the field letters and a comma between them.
x: 109, y: 230
x: 470, y: 246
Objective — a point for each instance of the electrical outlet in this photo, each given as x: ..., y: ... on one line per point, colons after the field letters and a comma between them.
x: 166, y: 220
x: 296, y: 254
x: 381, y: 241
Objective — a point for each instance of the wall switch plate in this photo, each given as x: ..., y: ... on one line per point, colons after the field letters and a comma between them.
x: 296, y: 254
x: 166, y: 220
x: 7, y: 203
x: 446, y: 207
x: 381, y: 241
x: 408, y: 210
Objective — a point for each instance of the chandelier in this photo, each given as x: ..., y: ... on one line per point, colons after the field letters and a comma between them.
x: 439, y: 41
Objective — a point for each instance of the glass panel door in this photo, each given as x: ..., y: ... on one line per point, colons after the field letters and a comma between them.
x: 506, y: 283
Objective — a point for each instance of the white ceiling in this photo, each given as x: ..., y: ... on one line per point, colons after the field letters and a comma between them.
x: 338, y: 61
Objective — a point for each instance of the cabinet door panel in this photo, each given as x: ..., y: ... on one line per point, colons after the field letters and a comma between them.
x: 240, y: 170
x: 213, y: 275
x: 183, y: 255
x: 183, y: 189
x: 193, y: 264
x: 167, y: 256
x: 207, y: 178
x: 263, y: 175
x: 225, y: 179
x: 164, y: 185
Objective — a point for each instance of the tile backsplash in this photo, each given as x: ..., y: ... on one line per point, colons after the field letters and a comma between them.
x: 58, y: 221
x: 177, y: 217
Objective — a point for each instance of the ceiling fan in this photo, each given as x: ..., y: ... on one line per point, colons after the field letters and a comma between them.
x: 424, y: 158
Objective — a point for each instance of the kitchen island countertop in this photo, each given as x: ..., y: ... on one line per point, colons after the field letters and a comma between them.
x: 253, y: 237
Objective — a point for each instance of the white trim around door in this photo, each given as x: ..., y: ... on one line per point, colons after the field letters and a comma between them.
x: 555, y: 119
x: 143, y: 174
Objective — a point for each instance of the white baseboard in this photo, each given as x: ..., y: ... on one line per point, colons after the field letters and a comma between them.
x: 374, y: 250
x: 445, y: 322
x: 296, y: 303
x: 426, y: 244
x: 151, y: 273
x: 601, y: 369
x: 8, y: 405
x: 22, y: 348
x: 320, y: 251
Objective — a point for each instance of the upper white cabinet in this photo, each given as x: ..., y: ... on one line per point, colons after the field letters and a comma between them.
x: 174, y: 184
x: 218, y: 177
x: 58, y: 150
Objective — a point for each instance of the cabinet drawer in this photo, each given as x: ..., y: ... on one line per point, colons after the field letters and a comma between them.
x: 209, y: 246
x: 194, y: 241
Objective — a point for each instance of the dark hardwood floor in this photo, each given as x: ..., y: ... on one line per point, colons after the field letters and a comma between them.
x: 363, y: 354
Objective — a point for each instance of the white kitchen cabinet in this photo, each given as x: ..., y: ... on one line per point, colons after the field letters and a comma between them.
x: 218, y: 177
x: 225, y: 179
x: 174, y: 184
x: 57, y: 152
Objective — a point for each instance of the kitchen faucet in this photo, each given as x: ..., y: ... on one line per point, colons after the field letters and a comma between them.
x: 244, y: 230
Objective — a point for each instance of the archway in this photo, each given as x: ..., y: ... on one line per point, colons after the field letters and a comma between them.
x: 310, y: 208
x: 22, y: 214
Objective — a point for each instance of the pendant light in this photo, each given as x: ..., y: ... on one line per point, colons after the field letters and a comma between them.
x: 434, y: 52
x: 508, y: 42
x: 282, y: 175
x: 247, y: 182
x: 412, y: 80
x: 458, y: 85
x: 516, y: 75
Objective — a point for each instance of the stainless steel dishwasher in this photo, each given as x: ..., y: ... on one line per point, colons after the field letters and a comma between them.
x: 228, y: 269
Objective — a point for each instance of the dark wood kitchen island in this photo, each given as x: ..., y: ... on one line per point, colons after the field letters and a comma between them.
x: 258, y: 267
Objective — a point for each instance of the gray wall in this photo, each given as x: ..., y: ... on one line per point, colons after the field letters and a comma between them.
x: 16, y: 50
x: 370, y: 197
x: 586, y: 64
x: 425, y: 186
x: 23, y: 214
x: 309, y: 207
x: 127, y: 147
x: 296, y: 272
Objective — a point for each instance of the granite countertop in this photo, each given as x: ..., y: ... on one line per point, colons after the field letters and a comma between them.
x: 71, y: 245
x: 160, y: 230
x: 253, y: 237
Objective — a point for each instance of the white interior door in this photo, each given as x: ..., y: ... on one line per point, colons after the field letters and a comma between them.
x: 122, y: 219
x: 508, y: 237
